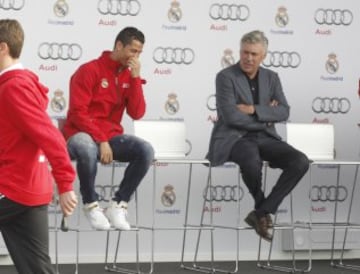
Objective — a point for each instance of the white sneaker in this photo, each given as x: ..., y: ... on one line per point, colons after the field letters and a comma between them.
x: 95, y: 215
x: 117, y: 214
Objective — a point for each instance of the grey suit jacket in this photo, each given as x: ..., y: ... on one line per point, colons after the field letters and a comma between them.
x: 232, y: 88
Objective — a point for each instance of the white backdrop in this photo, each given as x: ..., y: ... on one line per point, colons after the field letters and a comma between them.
x: 318, y: 43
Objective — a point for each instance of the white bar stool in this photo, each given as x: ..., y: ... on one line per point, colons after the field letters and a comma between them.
x: 292, y: 226
x: 168, y: 139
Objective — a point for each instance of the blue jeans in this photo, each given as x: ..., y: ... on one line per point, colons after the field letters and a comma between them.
x: 126, y: 148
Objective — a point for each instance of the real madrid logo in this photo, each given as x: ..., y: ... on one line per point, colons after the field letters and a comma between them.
x: 211, y: 102
x: 168, y: 197
x: 61, y: 8
x: 172, y: 105
x: 227, y: 60
x: 332, y: 65
x: 104, y: 83
x: 282, y: 18
x: 58, y: 102
x: 189, y: 147
x: 174, y: 13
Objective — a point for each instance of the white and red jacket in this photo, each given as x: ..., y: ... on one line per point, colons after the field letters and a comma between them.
x: 28, y: 141
x: 99, y: 95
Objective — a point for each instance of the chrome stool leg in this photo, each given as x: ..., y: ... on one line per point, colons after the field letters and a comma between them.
x: 348, y: 225
x: 212, y: 227
x: 64, y: 227
x: 55, y: 229
x: 194, y: 266
x: 283, y: 268
x: 291, y: 226
x: 114, y: 267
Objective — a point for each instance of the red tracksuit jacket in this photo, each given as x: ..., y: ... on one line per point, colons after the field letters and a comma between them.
x: 99, y: 95
x: 28, y: 140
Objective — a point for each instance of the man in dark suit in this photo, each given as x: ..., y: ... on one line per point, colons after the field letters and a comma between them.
x: 250, y: 100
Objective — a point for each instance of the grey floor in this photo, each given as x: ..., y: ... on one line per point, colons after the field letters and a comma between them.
x: 318, y: 267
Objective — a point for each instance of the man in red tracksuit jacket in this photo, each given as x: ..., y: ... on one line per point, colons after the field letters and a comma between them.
x: 100, y: 92
x: 28, y: 140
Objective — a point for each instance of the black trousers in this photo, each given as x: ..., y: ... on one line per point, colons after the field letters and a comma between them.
x: 250, y: 152
x: 26, y: 235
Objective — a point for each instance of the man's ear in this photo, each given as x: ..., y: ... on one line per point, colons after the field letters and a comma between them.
x: 119, y: 45
x: 4, y: 47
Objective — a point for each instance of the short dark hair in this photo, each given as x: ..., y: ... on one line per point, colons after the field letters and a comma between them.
x: 12, y: 33
x: 128, y: 34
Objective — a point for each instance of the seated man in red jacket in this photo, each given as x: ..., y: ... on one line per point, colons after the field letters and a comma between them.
x: 100, y: 91
x: 28, y: 140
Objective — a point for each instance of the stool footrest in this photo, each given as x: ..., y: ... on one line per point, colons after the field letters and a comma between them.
x: 122, y: 270
x: 283, y: 268
x: 205, y: 269
x: 341, y: 265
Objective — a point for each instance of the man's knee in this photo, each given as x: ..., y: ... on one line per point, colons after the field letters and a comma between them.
x: 301, y: 163
x: 82, y: 146
x: 147, y: 151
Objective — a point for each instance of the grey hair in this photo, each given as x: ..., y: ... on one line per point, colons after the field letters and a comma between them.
x: 255, y: 37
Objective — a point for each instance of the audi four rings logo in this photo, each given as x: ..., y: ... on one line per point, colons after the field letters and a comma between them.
x: 119, y: 7
x: 12, y: 4
x: 333, y: 17
x: 105, y: 192
x: 223, y: 193
x: 331, y: 105
x: 328, y: 193
x: 282, y: 59
x: 62, y: 51
x: 229, y: 12
x: 169, y: 55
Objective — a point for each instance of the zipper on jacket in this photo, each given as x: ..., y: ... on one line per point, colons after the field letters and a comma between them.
x: 117, y: 91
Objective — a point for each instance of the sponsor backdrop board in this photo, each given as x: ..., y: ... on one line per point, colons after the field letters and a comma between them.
x: 313, y: 47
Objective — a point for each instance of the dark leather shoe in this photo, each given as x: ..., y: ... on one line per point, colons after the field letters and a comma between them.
x: 269, y: 221
x: 259, y: 224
